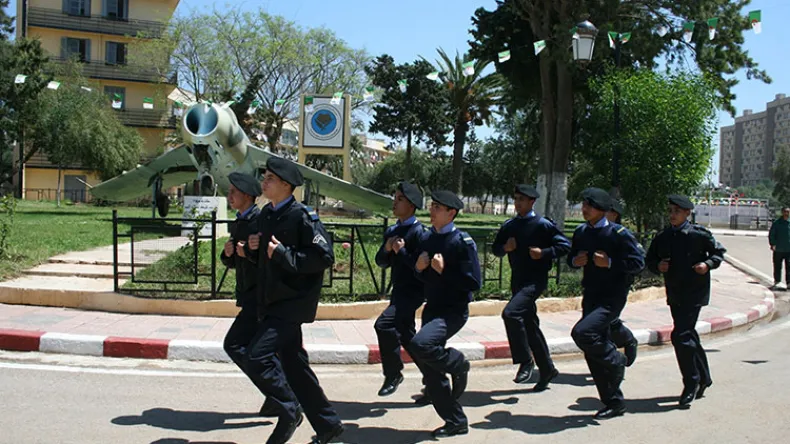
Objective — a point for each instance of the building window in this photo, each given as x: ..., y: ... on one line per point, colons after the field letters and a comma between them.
x: 116, y: 9
x: 115, y: 53
x: 77, y: 7
x: 111, y: 91
x: 75, y: 48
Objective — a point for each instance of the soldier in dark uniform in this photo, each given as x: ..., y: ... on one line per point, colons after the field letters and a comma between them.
x: 685, y: 253
x: 622, y: 336
x: 292, y: 251
x: 243, y: 190
x: 450, y: 270
x: 531, y: 243
x: 395, y: 326
x: 609, y: 255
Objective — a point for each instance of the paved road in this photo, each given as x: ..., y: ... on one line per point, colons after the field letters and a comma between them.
x: 49, y: 398
x: 753, y: 251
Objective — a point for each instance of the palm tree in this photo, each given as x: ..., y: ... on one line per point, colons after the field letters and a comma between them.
x: 472, y: 100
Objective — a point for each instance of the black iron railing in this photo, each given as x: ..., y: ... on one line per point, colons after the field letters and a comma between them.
x: 99, y: 69
x: 56, y: 18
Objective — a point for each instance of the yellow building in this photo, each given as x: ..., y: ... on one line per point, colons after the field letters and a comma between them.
x: 98, y: 33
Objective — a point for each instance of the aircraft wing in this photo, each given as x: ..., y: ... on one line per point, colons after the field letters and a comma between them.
x: 332, y: 186
x: 175, y: 166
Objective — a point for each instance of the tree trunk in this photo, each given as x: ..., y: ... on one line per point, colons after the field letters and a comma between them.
x: 57, y: 191
x: 407, y: 164
x: 458, y: 155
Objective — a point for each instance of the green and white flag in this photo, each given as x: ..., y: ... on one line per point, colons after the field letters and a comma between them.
x: 178, y: 109
x: 756, y: 19
x: 228, y: 104
x: 469, y: 68
x: 613, y: 36
x: 20, y: 78
x: 688, y: 31
x: 308, y: 104
x: 148, y: 103
x: 433, y: 76
x: 540, y: 45
x: 368, y: 96
x: 575, y: 32
x: 504, y: 56
x: 625, y: 37
x: 662, y: 30
x: 53, y: 85
x: 712, y: 23
x: 253, y: 107
x: 336, y: 98
x: 85, y: 88
x: 402, y: 84
x: 278, y: 105
x: 117, y: 101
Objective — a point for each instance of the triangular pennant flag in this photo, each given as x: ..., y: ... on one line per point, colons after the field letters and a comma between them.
x: 148, y: 103
x: 368, y: 96
x: 540, y: 45
x: 688, y: 31
x: 613, y: 36
x: 178, y: 109
x: 253, y: 107
x: 469, y: 68
x: 278, y: 105
x: 433, y: 76
x: 85, y: 88
x: 53, y: 85
x: 117, y: 101
x: 336, y: 98
x: 20, y: 78
x: 228, y: 104
x: 662, y: 30
x: 625, y: 37
x: 402, y: 84
x: 308, y: 104
x: 712, y: 23
x: 575, y: 32
x: 756, y: 19
x: 504, y: 56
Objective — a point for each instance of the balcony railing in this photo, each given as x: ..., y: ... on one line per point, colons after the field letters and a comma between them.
x: 55, y: 18
x: 147, y: 118
x: 101, y: 70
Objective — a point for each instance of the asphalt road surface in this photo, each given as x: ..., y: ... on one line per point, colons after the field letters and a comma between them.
x: 63, y: 399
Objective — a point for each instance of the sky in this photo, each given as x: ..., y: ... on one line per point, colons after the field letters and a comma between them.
x: 408, y: 29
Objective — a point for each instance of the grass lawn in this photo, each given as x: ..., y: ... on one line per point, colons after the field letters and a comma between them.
x: 42, y: 230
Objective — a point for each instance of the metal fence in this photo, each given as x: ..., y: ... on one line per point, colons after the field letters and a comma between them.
x: 165, y: 257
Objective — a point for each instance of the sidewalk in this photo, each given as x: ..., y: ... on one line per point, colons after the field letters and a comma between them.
x: 729, y: 232
x: 736, y: 300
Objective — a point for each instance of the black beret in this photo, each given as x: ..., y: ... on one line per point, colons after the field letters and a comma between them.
x: 527, y: 191
x: 598, y: 198
x: 285, y: 170
x: 618, y: 207
x: 681, y: 201
x: 412, y: 193
x: 245, y: 183
x: 448, y: 199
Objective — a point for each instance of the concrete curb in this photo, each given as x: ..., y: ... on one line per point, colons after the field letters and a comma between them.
x: 94, y: 345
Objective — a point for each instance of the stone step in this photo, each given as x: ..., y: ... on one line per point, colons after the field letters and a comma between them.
x: 77, y: 270
x: 61, y: 283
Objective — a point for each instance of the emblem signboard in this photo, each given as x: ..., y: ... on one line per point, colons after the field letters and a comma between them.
x: 325, y: 125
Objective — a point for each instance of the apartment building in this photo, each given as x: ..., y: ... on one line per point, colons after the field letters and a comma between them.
x: 98, y: 33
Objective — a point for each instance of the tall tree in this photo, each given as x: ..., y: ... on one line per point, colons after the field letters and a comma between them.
x: 512, y: 153
x: 472, y: 99
x: 782, y: 176
x: 670, y: 123
x: 419, y: 115
x: 553, y: 79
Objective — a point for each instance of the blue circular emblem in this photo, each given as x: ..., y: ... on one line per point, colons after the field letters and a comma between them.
x: 323, y: 122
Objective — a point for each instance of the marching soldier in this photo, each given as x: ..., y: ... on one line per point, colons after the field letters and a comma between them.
x: 243, y: 190
x: 685, y: 253
x: 395, y: 326
x: 531, y: 243
x: 609, y: 255
x: 449, y: 268
x: 292, y: 250
x: 622, y: 336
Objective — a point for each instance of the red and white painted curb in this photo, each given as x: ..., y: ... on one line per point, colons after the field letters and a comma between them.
x: 110, y: 346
